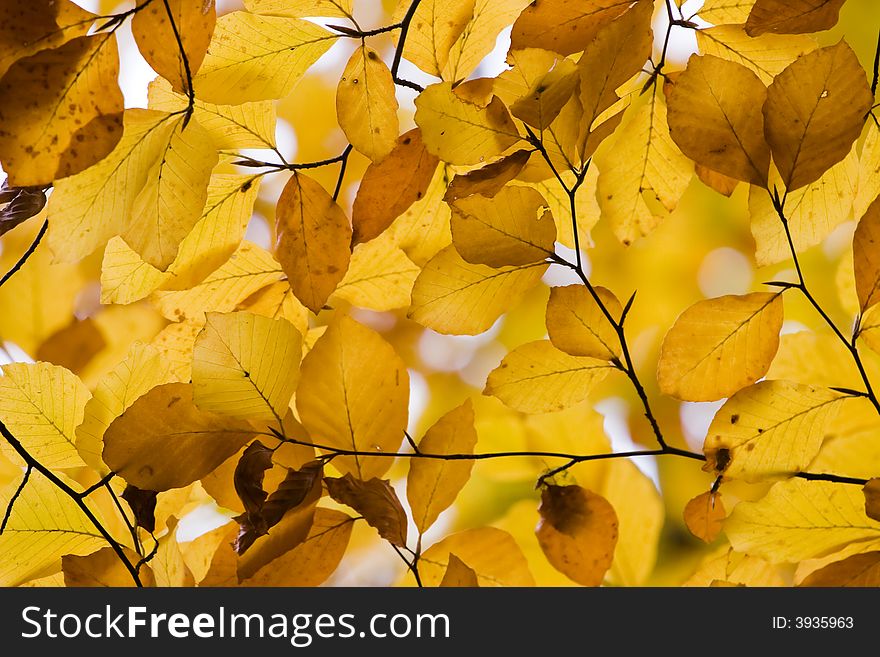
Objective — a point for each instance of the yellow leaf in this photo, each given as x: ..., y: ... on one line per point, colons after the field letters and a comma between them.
x: 577, y: 325
x: 435, y: 27
x: 61, y: 110
x: 140, y: 372
x: 168, y: 565
x: 491, y: 553
x: 366, y: 106
x: 103, y: 569
x: 704, y: 516
x: 720, y: 345
x: 538, y: 378
x: 862, y: 570
x: 726, y: 12
x: 175, y: 344
x: 158, y: 28
x: 618, y: 52
x: 433, y: 484
x: 174, y: 196
x: 726, y: 565
x: 246, y: 366
x: 44, y: 525
x: 866, y: 260
x: 454, y: 296
x: 766, y: 55
x: 249, y: 269
x: 537, y: 86
x: 299, y: 8
x: 354, y: 395
x: 258, y: 57
x: 459, y: 574
x: 380, y: 277
x: 640, y: 164
x: 391, y: 186
x: 89, y: 208
x: 125, y: 277
x: 33, y: 26
x: 277, y: 301
x: 801, y: 519
x: 564, y: 26
x: 164, y: 441
x: 422, y: 230
x: 313, y: 240
x: 514, y: 227
x: 478, y: 37
x: 813, y: 212
x: 460, y: 132
x: 715, y: 118
x: 249, y: 125
x: 869, y: 171
x: 792, y: 18
x: 577, y: 532
x: 586, y: 207
x: 770, y: 429
x: 42, y: 404
x: 815, y: 110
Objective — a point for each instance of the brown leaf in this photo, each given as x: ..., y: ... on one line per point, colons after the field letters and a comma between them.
x: 718, y: 181
x: 488, y: 180
x: 20, y: 204
x: 577, y: 532
x: 872, y: 499
x: 300, y: 488
x: 564, y: 26
x: 704, y: 516
x: 862, y: 570
x: 103, y: 568
x: 143, y: 505
x: 390, y: 186
x: 376, y: 501
x: 459, y: 574
x: 248, y: 480
x: 285, y: 536
x: 787, y: 17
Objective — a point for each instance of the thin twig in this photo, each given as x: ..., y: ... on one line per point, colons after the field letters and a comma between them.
x: 398, y: 52
x: 343, y: 159
x: 190, y: 90
x: 27, y: 254
x: 8, y: 514
x: 876, y: 75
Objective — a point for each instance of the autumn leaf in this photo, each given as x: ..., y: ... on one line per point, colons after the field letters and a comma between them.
x: 61, y: 110
x: 459, y: 574
x: 866, y: 263
x: 715, y: 118
x: 577, y: 325
x: 564, y: 26
x: 491, y: 553
x: 872, y: 499
x: 102, y: 569
x: 433, y: 484
x: 189, y: 21
x: 391, y: 186
x: 375, y: 500
x: 704, y: 516
x: 164, y: 441
x: 861, y: 570
x: 512, y: 228
x: 792, y: 18
x: 815, y: 110
x: 577, y: 532
x: 717, y: 346
x: 353, y: 394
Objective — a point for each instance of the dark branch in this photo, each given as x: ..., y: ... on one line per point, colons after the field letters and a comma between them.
x: 876, y: 75
x: 398, y: 52
x: 27, y: 254
x: 343, y: 159
x: 8, y: 514
x: 362, y: 34
x: 190, y: 90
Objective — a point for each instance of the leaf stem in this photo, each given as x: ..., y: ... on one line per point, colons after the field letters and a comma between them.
x: 27, y: 254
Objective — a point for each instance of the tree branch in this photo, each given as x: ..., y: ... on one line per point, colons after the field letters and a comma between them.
x: 398, y: 52
x: 190, y: 90
x: 876, y: 75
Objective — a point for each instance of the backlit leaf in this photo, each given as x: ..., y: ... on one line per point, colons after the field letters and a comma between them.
x: 538, y: 378
x: 719, y: 345
x: 704, y: 516
x: 577, y: 325
x: 866, y: 259
x: 715, y: 118
x: 861, y: 570
x: 459, y: 574
x: 433, y: 484
x: 577, y: 532
x: 353, y: 395
x: 374, y: 500
x: 792, y: 17
x: 246, y: 366
x: 313, y: 240
x: 564, y: 26
x: 103, y: 569
x: 164, y: 441
x: 491, y: 553
x: 380, y: 277
x: 454, y: 296
x: 814, y: 112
